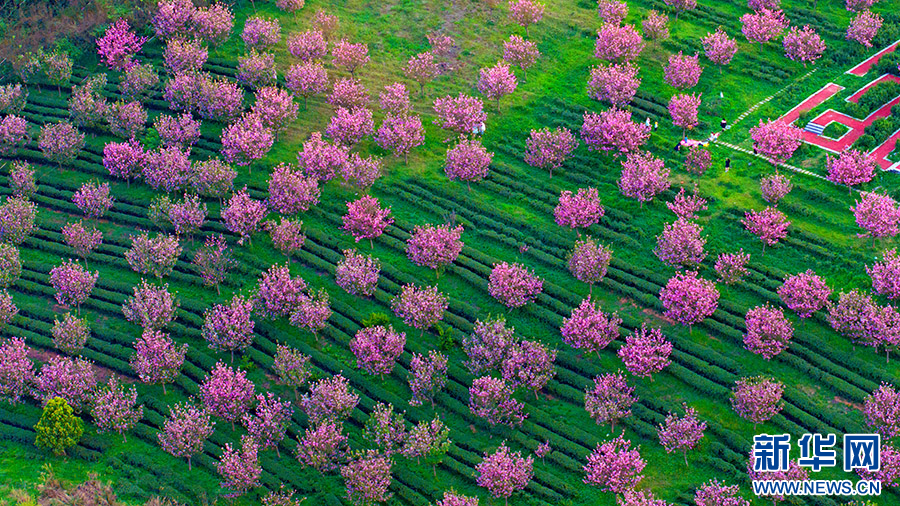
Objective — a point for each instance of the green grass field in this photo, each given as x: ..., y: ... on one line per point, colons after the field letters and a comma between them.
x: 826, y: 378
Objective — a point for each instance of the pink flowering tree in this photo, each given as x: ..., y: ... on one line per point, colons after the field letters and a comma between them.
x: 525, y: 12
x: 185, y: 430
x: 183, y: 56
x: 400, y: 134
x: 504, y: 472
x: 269, y: 421
x: 116, y: 409
x: 770, y: 225
x: 229, y: 327
x: 157, y: 360
x: 385, y: 429
x: 246, y: 140
x: 856, y: 317
x: 167, y: 168
x: 719, y: 48
x: 496, y: 82
x: 864, y: 27
x: 420, y: 308
x: 609, y: 399
x: 488, y: 344
x: 367, y: 478
x: 645, y: 352
x: 213, y: 261
x: 70, y: 334
x: 366, y: 219
x: 151, y: 306
x: 492, y: 399
x: 321, y: 159
x: 291, y: 368
x: 521, y: 53
x: 434, y: 247
x: 349, y: 127
x: 156, y: 257
x: 683, y: 109
x: 357, y: 274
x: 689, y: 299
x: 612, y: 11
x: 732, y: 267
x: 422, y: 69
x: 886, y: 275
x: 21, y: 179
x: 529, y: 364
x: 312, y: 312
x: 13, y: 134
x: 687, y: 206
x: 93, y: 199
x: 618, y: 43
x: 349, y: 93
x: 394, y: 99
x: 213, y: 24
x: 460, y: 115
x: 468, y: 161
x: 615, y: 84
x: 804, y: 293
x: 72, y: 379
x: 73, y: 283
x: 588, y: 261
x: 757, y: 399
x: 239, y: 467
x: 181, y: 130
x: 763, y: 25
x: 307, y: 46
x: 329, y: 399
x: 768, y: 331
x: 261, y: 33
x: 716, y: 493
x: 82, y: 240
x: 614, y: 466
x: 775, y: 187
x: 643, y: 176
x: 243, y: 214
x: 578, y: 210
x: 681, y: 433
x: 351, y: 56
x: 589, y: 329
x: 16, y: 369
x: 881, y: 409
x: 427, y: 376
x: 17, y: 219
x: 287, y: 235
x: 682, y: 71
x: 655, y: 26
x: 278, y: 293
x: 429, y: 440
x: 697, y: 161
x: 290, y: 191
x: 803, y: 45
x: 681, y: 244
x: 118, y: 45
x: 851, y: 167
x: 361, y: 173
x: 172, y: 18
x: 878, y: 215
x: 613, y: 130
x: 549, y: 149
x: 275, y: 108
x: 226, y: 393
x: 323, y: 446
x: 306, y: 80
x: 513, y: 285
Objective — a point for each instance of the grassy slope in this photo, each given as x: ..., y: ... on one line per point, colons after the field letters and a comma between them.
x: 510, y: 209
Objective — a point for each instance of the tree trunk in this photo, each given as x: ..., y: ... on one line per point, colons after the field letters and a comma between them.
x: 164, y: 388
x: 189, y: 462
x: 685, y: 457
x: 277, y: 452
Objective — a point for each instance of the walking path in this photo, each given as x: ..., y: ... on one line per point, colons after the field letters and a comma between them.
x: 785, y: 165
x: 766, y: 100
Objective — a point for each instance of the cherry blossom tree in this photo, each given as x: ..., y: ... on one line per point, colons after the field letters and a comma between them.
x: 434, y: 247
x: 275, y: 108
x: 525, y: 12
x: 361, y: 173
x: 365, y: 219
x: 687, y: 206
x: 291, y: 367
x: 496, y: 82
x: 172, y: 18
x: 856, y: 316
x: 528, y: 364
x: 770, y: 225
x: 882, y: 410
x: 350, y: 55
x: 757, y: 399
x: 156, y: 256
x: 329, y: 399
x: 689, y: 299
x: 367, y: 478
x: 513, y: 285
x: 357, y: 273
x: 468, y: 161
x: 682, y: 71
x: 851, y: 167
x: 213, y: 261
x: 732, y: 267
x: 504, y: 472
x: 611, y: 11
x: 643, y: 176
x: 427, y: 376
x: 886, y: 275
x: 13, y: 134
x: 269, y: 421
x: 775, y: 187
x: 618, y: 43
x: 290, y: 191
x: 279, y: 294
x: 422, y: 69
x: 72, y: 379
x: 213, y: 24
x: 684, y: 109
x: 614, y: 466
x: 70, y: 334
x: 609, y: 399
x: 312, y: 312
x: 804, y: 293
x: 521, y: 53
x: 719, y: 48
x: 889, y: 472
x: 645, y: 352
x: 349, y: 127
x: 152, y: 306
x: 492, y: 399
x: 240, y: 468
x: 243, y: 214
x: 578, y: 210
x: 716, y: 493
x: 115, y: 408
x: 287, y: 235
x: 8, y: 309
x: 697, y: 161
x: 394, y: 99
x: 226, y: 393
x: 325, y: 23
x: 16, y: 369
x: 118, y: 45
x: 167, y: 168
x: 306, y: 80
x: 655, y: 26
x: 124, y: 160
x: 183, y: 56
x: 17, y: 219
x: 803, y: 44
x: 428, y: 440
x: 420, y: 308
x: 138, y: 81
x: 681, y: 244
x: 323, y: 446
x: 157, y: 360
x: 588, y: 261
x: 229, y: 327
x: 246, y: 140
x: 488, y: 344
x: 386, y: 429
x: 614, y: 83
x: 613, y: 130
x: 681, y: 433
x: 549, y: 149
x: 261, y: 33
x: 185, y: 430
x: 460, y: 115
x: 322, y: 160
x: 878, y: 214
x: 400, y: 134
x: 763, y: 25
x: 93, y: 199
x: 349, y: 93
x: 73, y: 283
x: 589, y: 328
x: 10, y: 265
x: 182, y: 131
x: 768, y: 331
x: 864, y: 27
x: 307, y: 46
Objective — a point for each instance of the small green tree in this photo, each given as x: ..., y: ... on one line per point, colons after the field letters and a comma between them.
x: 58, y: 427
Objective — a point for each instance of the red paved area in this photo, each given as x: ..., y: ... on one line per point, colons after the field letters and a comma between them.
x: 828, y: 91
x: 862, y: 91
x: 862, y: 68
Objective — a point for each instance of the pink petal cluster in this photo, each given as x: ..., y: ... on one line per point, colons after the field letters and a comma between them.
x: 376, y: 348
x: 614, y: 83
x: 513, y: 285
x: 645, y: 352
x: 768, y: 331
x: 578, y: 210
x: 549, y: 149
x: 689, y: 299
x: 613, y: 130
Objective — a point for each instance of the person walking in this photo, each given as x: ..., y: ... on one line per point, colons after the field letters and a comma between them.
x: 723, y: 124
x: 727, y: 164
